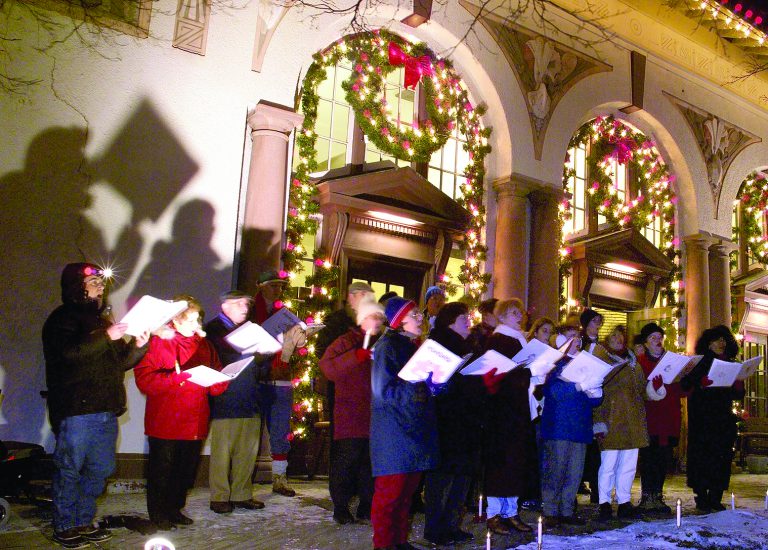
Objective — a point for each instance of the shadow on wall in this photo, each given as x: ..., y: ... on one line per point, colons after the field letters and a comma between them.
x: 47, y: 224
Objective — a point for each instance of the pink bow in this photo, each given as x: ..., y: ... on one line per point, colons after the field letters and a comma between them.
x: 415, y: 67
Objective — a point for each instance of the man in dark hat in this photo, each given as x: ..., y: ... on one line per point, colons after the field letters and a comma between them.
x: 276, y: 392
x: 86, y: 356
x: 235, y: 419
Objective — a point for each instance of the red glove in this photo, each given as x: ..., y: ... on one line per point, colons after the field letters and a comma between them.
x: 492, y: 381
x: 657, y: 382
x: 363, y: 355
x: 178, y: 377
x: 706, y: 381
x: 218, y: 389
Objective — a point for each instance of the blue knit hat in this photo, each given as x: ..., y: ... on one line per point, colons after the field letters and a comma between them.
x: 396, y: 310
x: 431, y: 291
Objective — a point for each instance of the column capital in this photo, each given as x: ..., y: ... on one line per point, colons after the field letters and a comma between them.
x: 546, y: 195
x: 274, y: 118
x: 723, y: 247
x: 701, y: 241
x: 516, y: 185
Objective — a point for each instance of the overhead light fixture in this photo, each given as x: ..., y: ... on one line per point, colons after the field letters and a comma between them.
x: 385, y: 216
x: 622, y: 268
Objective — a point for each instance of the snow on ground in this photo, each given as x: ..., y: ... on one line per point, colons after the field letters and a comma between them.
x: 305, y: 523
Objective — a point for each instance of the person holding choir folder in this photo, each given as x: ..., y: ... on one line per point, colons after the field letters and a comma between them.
x: 662, y: 413
x: 403, y: 426
x: 566, y: 430
x: 620, y: 428
x: 176, y: 414
x: 347, y: 363
x: 711, y: 422
x: 459, y: 414
x: 509, y: 443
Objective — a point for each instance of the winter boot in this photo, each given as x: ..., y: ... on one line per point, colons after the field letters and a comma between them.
x: 281, y: 487
x: 646, y: 503
x: 715, y: 498
x: 661, y: 506
x: 605, y: 512
x: 702, y: 502
x: 626, y: 511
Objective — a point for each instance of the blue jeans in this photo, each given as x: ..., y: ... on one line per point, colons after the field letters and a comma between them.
x: 276, y: 404
x: 505, y: 507
x: 561, y: 475
x: 84, y: 457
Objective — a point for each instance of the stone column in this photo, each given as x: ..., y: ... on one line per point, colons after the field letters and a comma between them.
x: 510, y: 255
x: 696, y: 287
x: 720, y: 283
x: 545, y: 246
x: 265, y: 198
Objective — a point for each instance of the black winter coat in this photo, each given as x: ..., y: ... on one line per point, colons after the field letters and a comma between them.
x: 711, y: 429
x: 84, y: 369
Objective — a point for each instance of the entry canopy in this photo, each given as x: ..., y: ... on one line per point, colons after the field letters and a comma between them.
x: 754, y: 324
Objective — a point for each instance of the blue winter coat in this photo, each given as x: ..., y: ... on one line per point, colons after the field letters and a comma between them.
x: 567, y: 413
x: 403, y: 420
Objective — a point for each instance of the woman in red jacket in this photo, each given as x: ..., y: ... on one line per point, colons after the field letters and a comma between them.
x: 347, y: 363
x: 176, y: 414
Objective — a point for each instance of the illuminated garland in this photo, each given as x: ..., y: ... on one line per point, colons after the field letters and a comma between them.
x: 754, y: 203
x: 612, y: 143
x: 447, y: 101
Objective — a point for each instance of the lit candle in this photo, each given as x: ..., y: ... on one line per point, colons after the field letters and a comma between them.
x: 480, y: 504
x: 367, y: 339
x: 766, y: 500
x: 541, y: 529
x: 679, y: 512
x: 488, y: 540
x: 733, y: 502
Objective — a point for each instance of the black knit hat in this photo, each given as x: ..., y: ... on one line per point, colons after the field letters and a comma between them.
x: 72, y: 281
x: 587, y: 315
x: 649, y: 329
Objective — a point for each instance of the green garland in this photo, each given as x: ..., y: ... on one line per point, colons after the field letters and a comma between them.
x: 611, y: 141
x: 447, y: 101
x: 754, y: 204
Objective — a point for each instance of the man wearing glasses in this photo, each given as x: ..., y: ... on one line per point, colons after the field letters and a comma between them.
x: 86, y: 356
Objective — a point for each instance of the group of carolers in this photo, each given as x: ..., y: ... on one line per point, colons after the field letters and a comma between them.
x: 513, y: 436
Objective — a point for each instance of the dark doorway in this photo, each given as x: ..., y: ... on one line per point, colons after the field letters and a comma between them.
x: 386, y: 274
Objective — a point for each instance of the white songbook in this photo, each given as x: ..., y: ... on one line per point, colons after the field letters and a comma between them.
x: 673, y: 366
x: 491, y: 359
x: 206, y: 376
x: 586, y: 370
x: 250, y: 338
x: 150, y: 314
x: 724, y: 373
x: 434, y: 358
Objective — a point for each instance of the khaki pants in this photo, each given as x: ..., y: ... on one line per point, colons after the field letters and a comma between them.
x: 234, y: 446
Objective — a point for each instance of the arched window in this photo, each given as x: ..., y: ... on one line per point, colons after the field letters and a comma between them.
x: 749, y: 219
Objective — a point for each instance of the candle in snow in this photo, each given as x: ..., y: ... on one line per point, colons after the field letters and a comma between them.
x: 480, y: 505
x: 679, y: 511
x: 541, y: 528
x: 766, y: 500
x: 367, y: 339
x: 488, y: 541
x: 733, y: 502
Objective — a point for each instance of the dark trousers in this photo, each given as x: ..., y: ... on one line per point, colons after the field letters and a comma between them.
x: 591, y: 468
x: 444, y: 495
x: 350, y: 475
x: 171, y: 473
x: 654, y: 462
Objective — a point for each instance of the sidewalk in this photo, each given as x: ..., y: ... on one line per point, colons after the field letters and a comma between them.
x: 304, y: 522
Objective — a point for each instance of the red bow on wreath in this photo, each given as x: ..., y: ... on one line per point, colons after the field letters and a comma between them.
x: 625, y: 148
x: 415, y: 67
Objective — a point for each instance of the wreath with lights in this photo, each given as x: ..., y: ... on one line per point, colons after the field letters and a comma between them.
x: 373, y: 56
x: 614, y: 144
x: 754, y: 203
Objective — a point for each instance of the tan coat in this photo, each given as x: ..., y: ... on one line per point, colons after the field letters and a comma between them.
x: 623, y: 409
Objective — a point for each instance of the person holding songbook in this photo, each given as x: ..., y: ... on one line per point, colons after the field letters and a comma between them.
x: 591, y: 321
x: 403, y: 426
x: 620, y: 428
x: 566, y: 430
x: 235, y: 415
x: 509, y: 445
x: 177, y: 411
x: 662, y: 412
x: 711, y: 422
x: 459, y: 423
x: 347, y: 363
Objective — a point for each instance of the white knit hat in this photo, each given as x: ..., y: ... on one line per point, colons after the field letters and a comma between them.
x: 368, y: 307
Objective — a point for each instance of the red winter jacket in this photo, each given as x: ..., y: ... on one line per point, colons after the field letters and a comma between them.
x: 352, y: 407
x: 663, y: 416
x: 175, y: 411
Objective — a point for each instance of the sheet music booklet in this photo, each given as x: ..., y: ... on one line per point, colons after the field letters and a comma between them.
x: 150, y: 313
x: 434, y: 358
x: 206, y: 376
